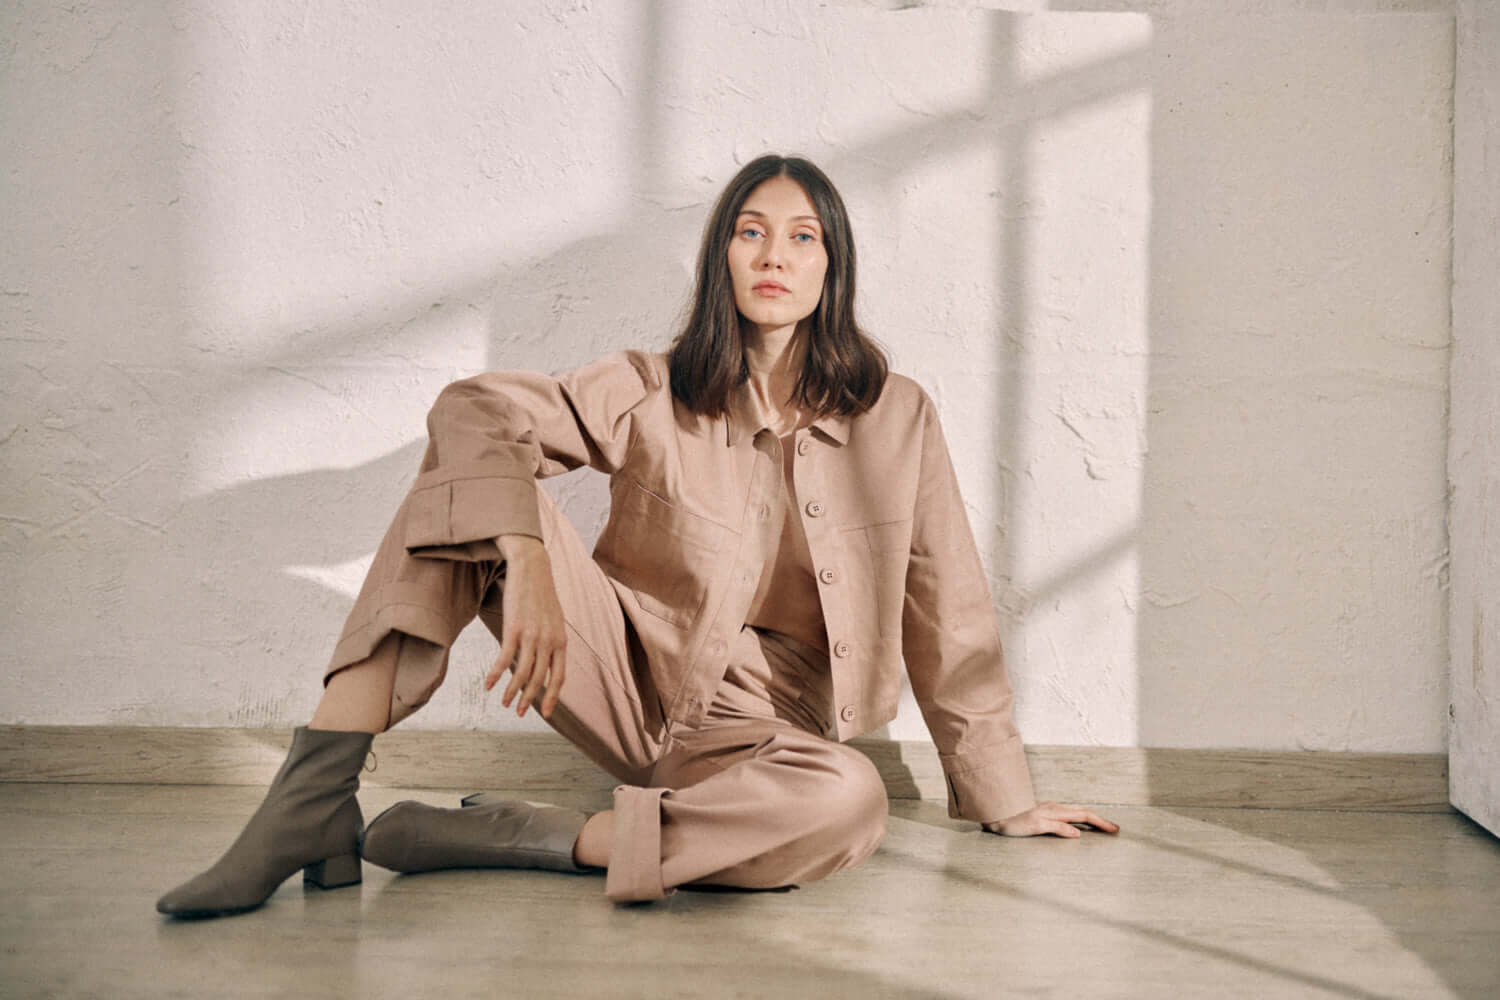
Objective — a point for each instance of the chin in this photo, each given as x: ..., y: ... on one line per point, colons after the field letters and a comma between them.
x: 761, y: 316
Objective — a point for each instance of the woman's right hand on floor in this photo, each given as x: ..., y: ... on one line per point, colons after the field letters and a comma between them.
x: 533, y: 634
x: 1050, y: 818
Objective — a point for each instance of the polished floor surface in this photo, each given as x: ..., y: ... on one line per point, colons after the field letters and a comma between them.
x: 1183, y: 903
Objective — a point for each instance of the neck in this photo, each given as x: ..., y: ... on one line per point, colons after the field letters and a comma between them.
x: 775, y: 356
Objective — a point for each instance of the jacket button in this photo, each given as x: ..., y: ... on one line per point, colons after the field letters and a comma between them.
x: 828, y: 576
x: 815, y: 509
x: 804, y: 446
x: 841, y: 649
x: 847, y: 713
x: 765, y: 512
x: 718, y: 647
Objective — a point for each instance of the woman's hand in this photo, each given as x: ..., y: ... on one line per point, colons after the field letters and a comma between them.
x: 533, y: 634
x: 1050, y: 817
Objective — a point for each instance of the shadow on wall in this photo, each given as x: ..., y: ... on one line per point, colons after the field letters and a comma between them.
x: 1264, y: 504
x: 611, y: 290
x: 1238, y: 397
x: 313, y: 559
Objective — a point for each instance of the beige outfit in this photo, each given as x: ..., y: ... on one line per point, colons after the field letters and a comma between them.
x: 725, y: 735
x: 787, y: 599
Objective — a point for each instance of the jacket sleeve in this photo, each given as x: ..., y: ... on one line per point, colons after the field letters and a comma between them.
x: 952, y: 648
x: 492, y: 436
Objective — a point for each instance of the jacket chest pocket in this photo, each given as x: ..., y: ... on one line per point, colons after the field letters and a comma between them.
x: 879, y: 554
x: 665, y: 555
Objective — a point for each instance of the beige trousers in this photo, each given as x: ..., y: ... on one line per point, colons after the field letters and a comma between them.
x: 756, y: 796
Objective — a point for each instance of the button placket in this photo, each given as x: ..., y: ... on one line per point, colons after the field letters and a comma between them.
x: 823, y: 540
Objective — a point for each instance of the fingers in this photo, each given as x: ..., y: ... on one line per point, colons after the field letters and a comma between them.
x: 1051, y: 818
x: 521, y: 671
x: 1075, y: 814
x: 554, y: 687
x: 534, y: 637
x: 539, y: 666
x: 1100, y: 823
x: 534, y: 682
x: 505, y: 658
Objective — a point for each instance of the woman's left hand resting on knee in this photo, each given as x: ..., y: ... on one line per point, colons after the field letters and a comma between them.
x: 533, y: 633
x: 1050, y: 817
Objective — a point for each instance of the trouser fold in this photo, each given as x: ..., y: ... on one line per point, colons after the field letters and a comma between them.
x: 755, y: 796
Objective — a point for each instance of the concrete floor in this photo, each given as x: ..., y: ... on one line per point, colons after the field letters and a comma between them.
x: 1184, y: 903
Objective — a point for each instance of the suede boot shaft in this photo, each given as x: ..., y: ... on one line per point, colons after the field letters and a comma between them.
x: 309, y: 819
x: 485, y: 833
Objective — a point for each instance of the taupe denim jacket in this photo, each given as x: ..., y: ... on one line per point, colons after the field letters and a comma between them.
x: 695, y: 508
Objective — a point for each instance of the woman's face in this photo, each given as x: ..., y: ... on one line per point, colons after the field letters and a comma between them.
x: 776, y: 257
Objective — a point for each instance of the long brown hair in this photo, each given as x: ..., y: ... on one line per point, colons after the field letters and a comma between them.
x: 844, y: 370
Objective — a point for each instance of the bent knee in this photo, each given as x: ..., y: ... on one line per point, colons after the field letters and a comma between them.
x: 857, y: 796
x: 846, y: 810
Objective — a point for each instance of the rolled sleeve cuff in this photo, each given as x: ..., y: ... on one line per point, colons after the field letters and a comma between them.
x: 453, y: 507
x: 989, y: 784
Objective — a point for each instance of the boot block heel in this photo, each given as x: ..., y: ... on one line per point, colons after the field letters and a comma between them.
x: 332, y: 873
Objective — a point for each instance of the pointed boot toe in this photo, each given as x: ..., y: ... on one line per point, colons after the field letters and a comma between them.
x: 309, y: 819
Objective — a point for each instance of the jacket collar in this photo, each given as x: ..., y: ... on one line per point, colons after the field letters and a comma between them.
x: 745, y: 419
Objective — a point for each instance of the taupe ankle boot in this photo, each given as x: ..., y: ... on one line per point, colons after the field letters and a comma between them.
x: 309, y: 819
x: 488, y: 832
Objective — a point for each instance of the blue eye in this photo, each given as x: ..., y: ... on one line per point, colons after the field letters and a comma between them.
x: 805, y: 238
x: 749, y: 232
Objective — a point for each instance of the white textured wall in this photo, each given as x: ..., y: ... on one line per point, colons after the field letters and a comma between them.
x: 1474, y: 447
x: 1179, y: 283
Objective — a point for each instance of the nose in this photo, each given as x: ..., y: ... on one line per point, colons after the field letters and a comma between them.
x: 769, y: 256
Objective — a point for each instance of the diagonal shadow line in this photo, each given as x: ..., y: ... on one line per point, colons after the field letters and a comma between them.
x: 1009, y: 110
x: 1281, y: 879
x: 1030, y: 101
x: 1056, y: 94
x: 895, y: 151
x: 397, y: 894
x: 1140, y: 930
x: 1095, y: 561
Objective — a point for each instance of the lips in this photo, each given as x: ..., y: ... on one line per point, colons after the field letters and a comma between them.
x: 770, y: 288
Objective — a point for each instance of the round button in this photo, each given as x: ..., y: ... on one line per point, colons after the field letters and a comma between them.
x: 828, y: 576
x: 847, y: 713
x: 815, y: 509
x: 765, y: 512
x: 841, y: 649
x: 804, y: 446
x: 718, y: 647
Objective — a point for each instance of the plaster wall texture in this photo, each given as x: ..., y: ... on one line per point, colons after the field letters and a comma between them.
x: 1474, y: 444
x: 1180, y: 286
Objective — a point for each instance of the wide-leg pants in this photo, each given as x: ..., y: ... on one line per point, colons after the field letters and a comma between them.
x: 756, y: 796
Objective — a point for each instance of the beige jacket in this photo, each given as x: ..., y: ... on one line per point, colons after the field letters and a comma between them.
x: 694, y: 515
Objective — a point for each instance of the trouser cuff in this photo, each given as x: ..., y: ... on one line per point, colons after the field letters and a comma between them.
x: 635, y: 855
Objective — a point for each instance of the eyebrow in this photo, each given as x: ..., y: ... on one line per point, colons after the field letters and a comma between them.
x: 795, y: 218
